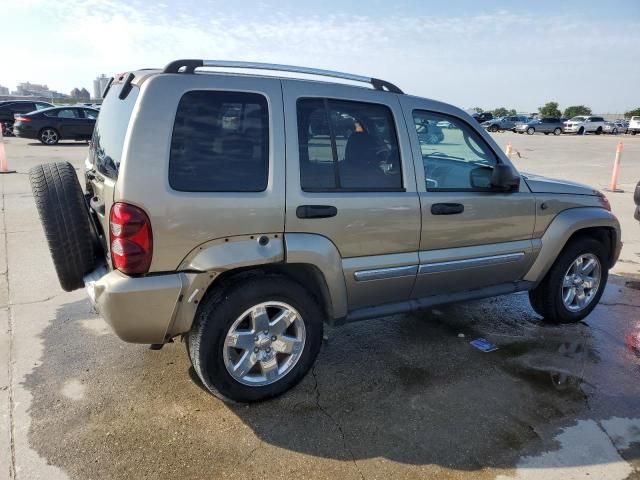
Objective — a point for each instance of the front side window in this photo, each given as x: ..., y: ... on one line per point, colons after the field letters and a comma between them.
x: 347, y: 146
x: 220, y: 143
x: 454, y: 156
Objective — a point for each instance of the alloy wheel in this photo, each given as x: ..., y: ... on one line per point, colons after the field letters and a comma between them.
x: 49, y: 136
x: 264, y: 343
x: 581, y: 282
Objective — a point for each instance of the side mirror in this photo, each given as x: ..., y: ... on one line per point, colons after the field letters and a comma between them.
x: 505, y: 178
x: 480, y: 178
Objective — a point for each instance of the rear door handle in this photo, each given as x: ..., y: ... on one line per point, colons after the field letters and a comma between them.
x: 316, y: 211
x: 446, y: 208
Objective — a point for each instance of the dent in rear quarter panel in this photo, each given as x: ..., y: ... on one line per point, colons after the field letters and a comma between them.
x: 181, y: 221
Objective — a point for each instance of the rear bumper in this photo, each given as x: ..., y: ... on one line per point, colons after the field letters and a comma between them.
x: 140, y: 310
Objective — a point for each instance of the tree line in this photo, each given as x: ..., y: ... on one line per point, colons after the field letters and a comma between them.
x: 552, y: 109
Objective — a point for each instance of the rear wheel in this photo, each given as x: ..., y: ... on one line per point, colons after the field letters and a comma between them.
x: 599, y: 131
x: 65, y: 220
x: 557, y: 131
x: 255, y: 339
x: 49, y: 136
x: 575, y: 283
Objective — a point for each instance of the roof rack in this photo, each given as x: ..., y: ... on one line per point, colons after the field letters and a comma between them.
x: 190, y: 65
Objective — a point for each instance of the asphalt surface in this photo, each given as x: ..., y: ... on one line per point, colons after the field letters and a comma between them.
x: 397, y: 397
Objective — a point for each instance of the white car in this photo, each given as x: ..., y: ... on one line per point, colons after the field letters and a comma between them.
x: 584, y: 124
x: 634, y: 125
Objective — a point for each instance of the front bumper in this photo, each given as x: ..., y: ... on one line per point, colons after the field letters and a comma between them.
x: 139, y: 309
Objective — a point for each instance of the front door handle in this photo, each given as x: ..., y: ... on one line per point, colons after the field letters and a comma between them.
x: 316, y: 211
x: 446, y: 208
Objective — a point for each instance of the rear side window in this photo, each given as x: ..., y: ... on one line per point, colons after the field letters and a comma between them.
x: 220, y: 143
x: 347, y: 146
x: 111, y: 127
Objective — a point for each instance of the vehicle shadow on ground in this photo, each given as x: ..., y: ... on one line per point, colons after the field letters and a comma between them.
x: 59, y: 144
x: 408, y: 388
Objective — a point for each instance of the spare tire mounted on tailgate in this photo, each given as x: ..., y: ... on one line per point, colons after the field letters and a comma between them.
x: 65, y: 220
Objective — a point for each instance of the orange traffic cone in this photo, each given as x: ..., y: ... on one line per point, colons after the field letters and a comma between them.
x: 613, y: 186
x: 4, y: 163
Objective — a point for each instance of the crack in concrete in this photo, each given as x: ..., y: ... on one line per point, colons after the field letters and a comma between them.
x: 12, y: 427
x: 619, y: 304
x: 32, y: 302
x: 336, y: 423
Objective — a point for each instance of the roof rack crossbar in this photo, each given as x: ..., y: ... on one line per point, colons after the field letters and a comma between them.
x: 189, y: 66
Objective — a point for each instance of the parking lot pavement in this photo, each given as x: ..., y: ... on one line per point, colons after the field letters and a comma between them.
x: 396, y: 397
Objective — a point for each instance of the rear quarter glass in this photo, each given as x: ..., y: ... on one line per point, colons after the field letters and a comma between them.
x: 110, y: 130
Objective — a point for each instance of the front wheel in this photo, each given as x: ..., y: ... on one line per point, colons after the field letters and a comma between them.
x: 255, y: 339
x: 581, y: 131
x: 575, y: 283
x: 557, y: 131
x: 531, y: 131
x: 599, y: 131
x: 493, y: 128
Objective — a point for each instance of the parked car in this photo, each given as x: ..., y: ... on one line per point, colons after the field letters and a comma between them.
x: 614, y: 128
x: 634, y: 125
x: 582, y: 124
x: 10, y: 108
x: 503, y: 123
x: 194, y: 225
x: 545, y: 125
x: 58, y: 123
x: 483, y: 117
x: 430, y: 132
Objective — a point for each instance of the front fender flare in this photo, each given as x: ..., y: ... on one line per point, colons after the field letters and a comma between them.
x: 563, y: 226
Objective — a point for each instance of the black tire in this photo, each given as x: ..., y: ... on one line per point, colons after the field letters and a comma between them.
x: 49, y: 136
x: 599, y: 131
x: 633, y: 132
x: 493, y: 128
x: 557, y: 131
x: 581, y: 131
x: 546, y: 298
x: 65, y: 220
x: 7, y: 129
x: 217, y: 313
x: 531, y: 131
x: 636, y: 194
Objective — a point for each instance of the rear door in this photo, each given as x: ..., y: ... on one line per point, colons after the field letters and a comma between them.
x: 88, y: 122
x: 68, y: 122
x: 350, y: 178
x: 473, y: 237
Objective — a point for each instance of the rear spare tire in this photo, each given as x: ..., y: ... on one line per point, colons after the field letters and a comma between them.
x: 65, y: 220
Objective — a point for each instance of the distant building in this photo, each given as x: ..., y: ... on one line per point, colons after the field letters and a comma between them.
x: 80, y: 95
x: 99, y: 84
x: 4, y: 90
x: 37, y: 90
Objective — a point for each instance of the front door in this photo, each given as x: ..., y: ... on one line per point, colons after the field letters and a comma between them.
x: 473, y: 236
x: 351, y: 179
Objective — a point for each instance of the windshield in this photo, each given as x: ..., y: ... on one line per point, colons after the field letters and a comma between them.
x: 111, y: 127
x: 578, y: 119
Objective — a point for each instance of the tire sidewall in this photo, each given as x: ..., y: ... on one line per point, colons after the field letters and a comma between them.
x: 216, y: 317
x: 557, y: 273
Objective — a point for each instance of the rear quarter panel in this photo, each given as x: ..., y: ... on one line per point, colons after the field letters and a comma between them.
x: 181, y: 221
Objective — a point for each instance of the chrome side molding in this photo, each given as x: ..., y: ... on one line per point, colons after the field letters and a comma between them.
x: 469, y: 263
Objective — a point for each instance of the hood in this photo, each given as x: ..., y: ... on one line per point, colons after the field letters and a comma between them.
x: 540, y: 184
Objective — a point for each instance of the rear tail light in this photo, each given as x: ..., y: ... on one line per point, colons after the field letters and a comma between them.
x: 22, y: 119
x: 130, y: 238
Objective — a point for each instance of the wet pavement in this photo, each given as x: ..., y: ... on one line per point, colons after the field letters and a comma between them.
x: 397, y: 397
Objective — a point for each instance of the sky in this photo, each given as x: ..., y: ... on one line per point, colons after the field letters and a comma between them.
x: 470, y: 53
